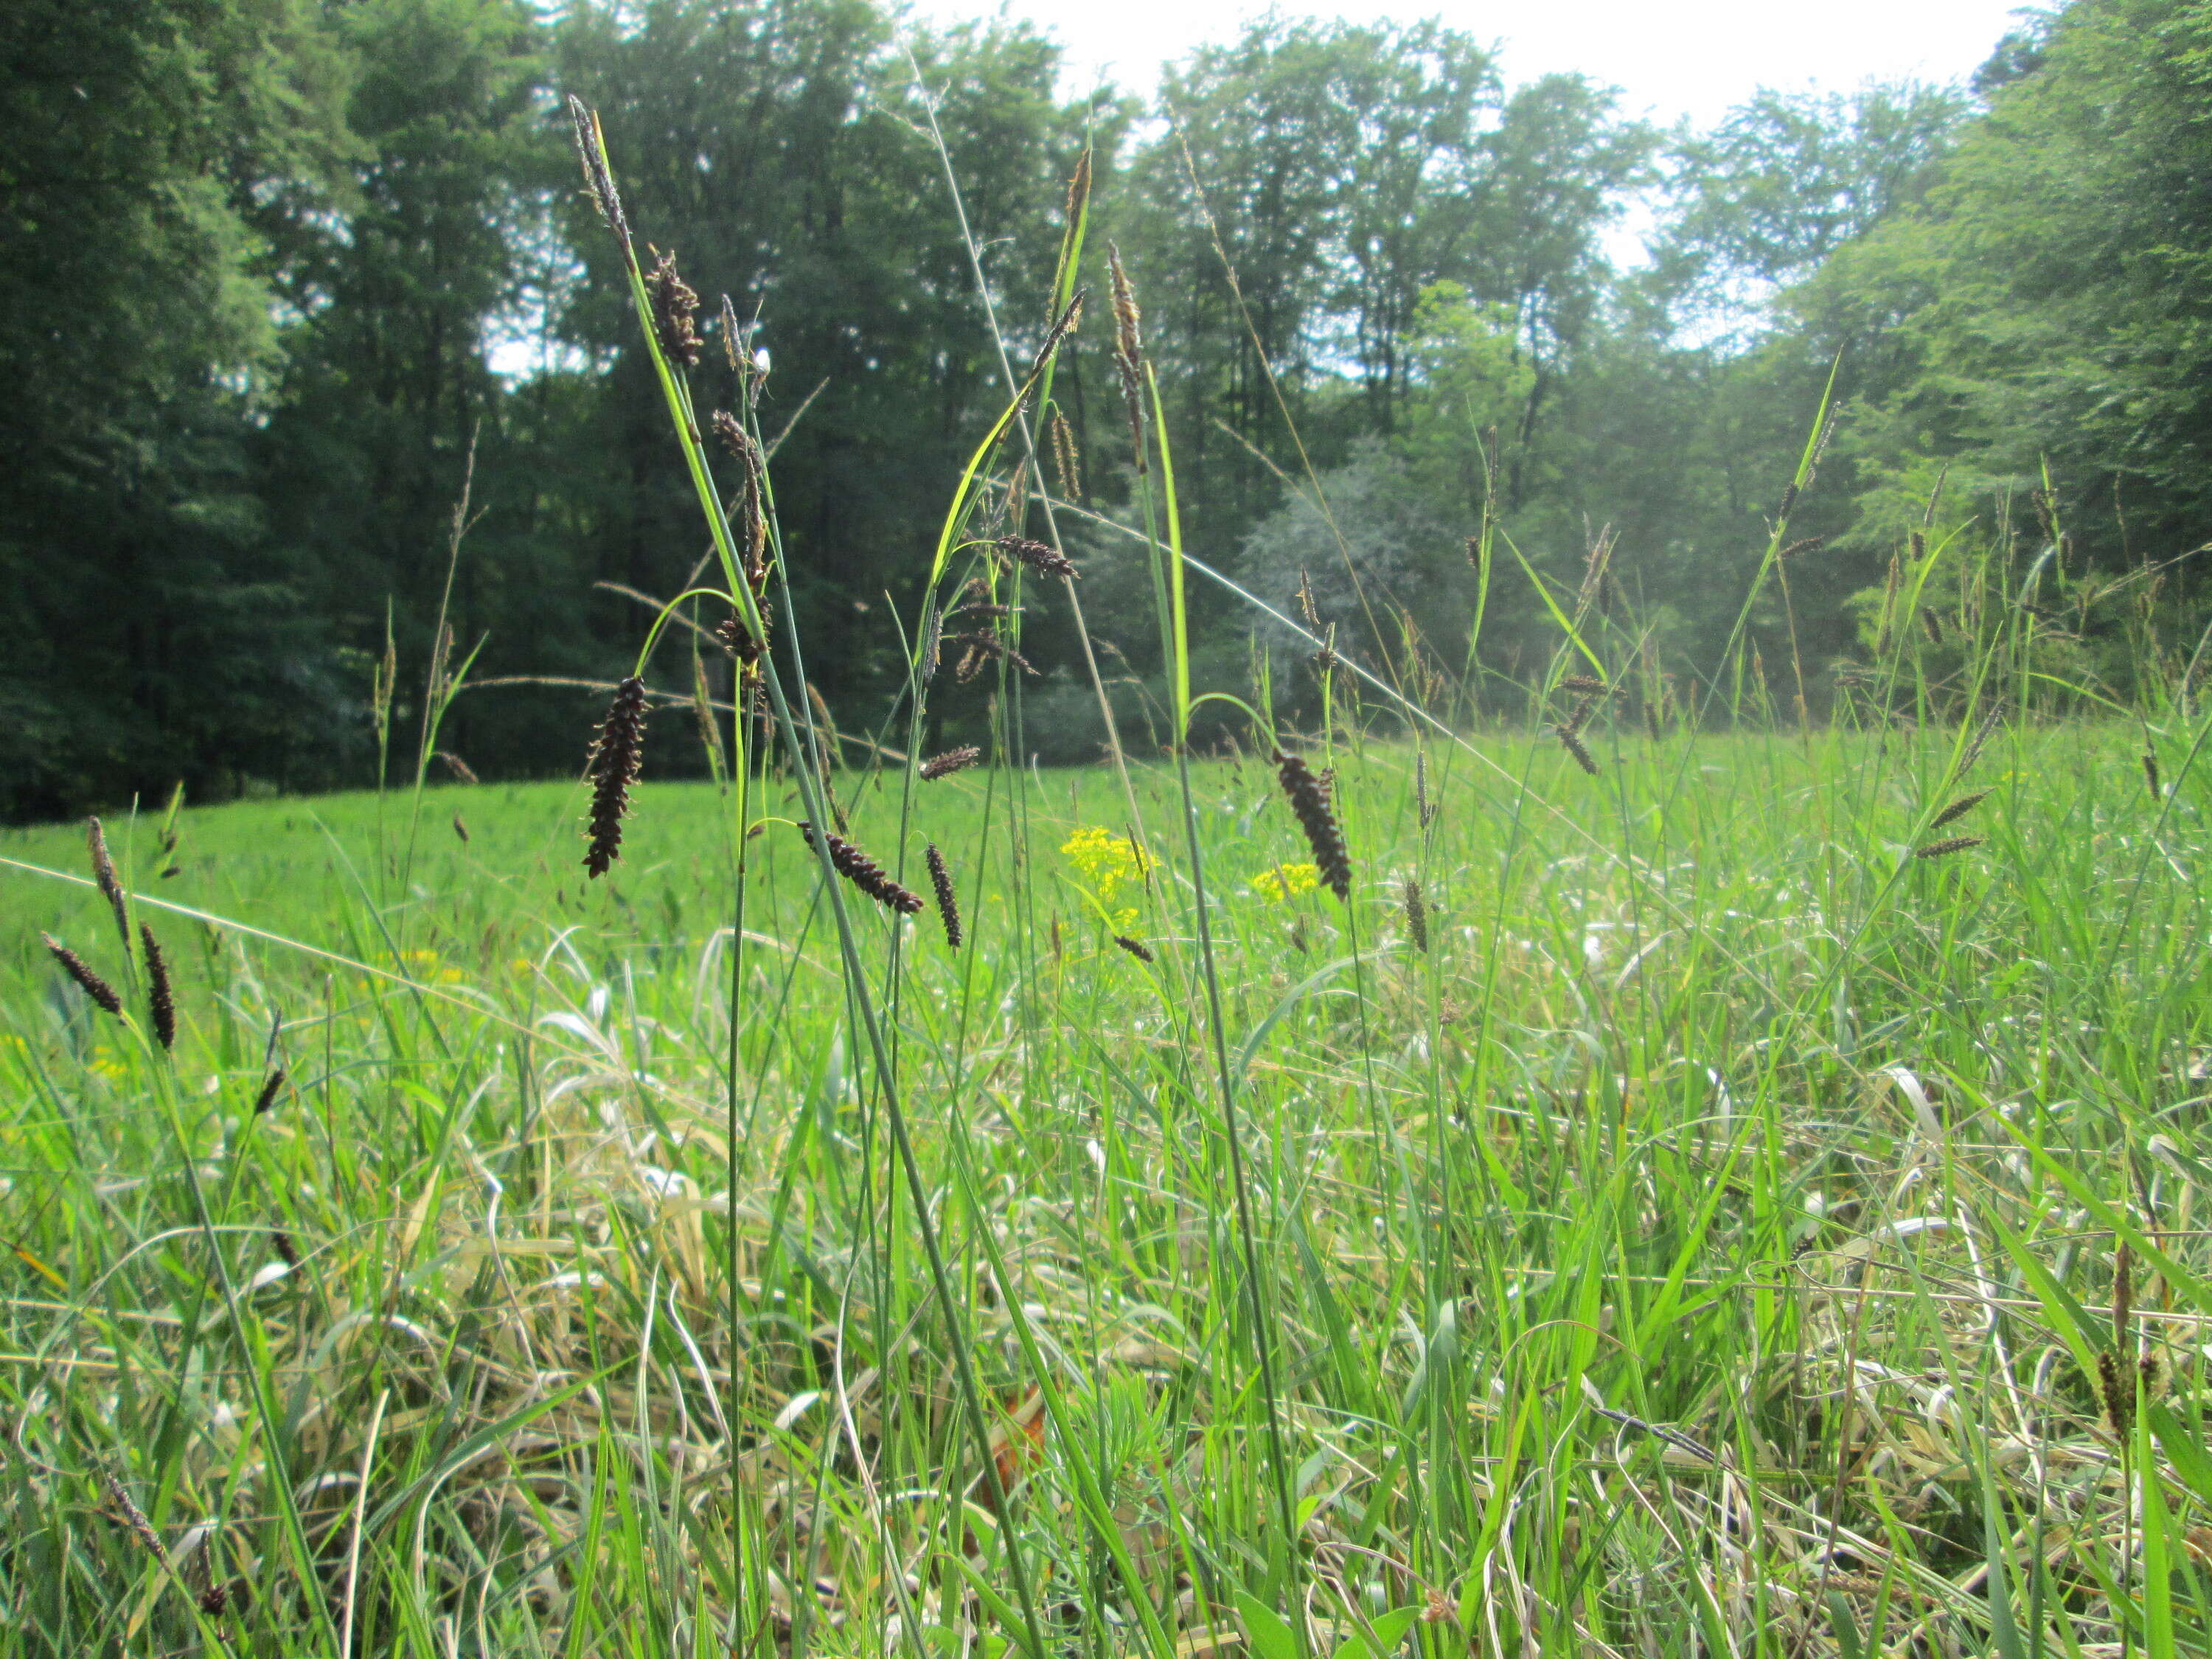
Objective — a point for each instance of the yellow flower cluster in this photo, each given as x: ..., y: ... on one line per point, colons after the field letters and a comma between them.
x: 1286, y: 882
x: 1108, y: 860
x: 426, y: 966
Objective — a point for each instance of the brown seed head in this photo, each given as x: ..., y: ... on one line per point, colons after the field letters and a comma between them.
x: 287, y: 1251
x: 270, y: 1086
x: 1958, y: 808
x: 1417, y: 916
x: 1045, y: 561
x: 1944, y: 849
x: 863, y: 872
x: 1309, y: 795
x: 1804, y: 544
x: 1136, y: 948
x: 597, y: 180
x: 459, y: 767
x: 2150, y: 773
x: 2117, y: 1386
x: 161, y: 999
x: 1128, y: 352
x: 951, y: 761
x: 103, y: 871
x: 615, y: 760
x: 1571, y: 740
x: 1067, y: 459
x: 675, y: 310
x: 948, y: 901
x: 88, y: 981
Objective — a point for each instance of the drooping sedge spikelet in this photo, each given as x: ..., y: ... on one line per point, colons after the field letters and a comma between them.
x: 1588, y: 686
x: 948, y: 901
x: 160, y: 1000
x: 271, y: 1087
x: 2150, y: 773
x: 614, y: 760
x: 134, y: 1517
x: 752, y: 520
x: 103, y: 871
x: 1931, y: 625
x: 1958, y: 808
x: 461, y: 768
x: 863, y: 872
x: 980, y: 648
x: 1417, y: 916
x: 87, y: 981
x: 1788, y: 501
x: 1136, y: 948
x: 1067, y: 459
x: 1571, y: 740
x: 1804, y: 544
x: 675, y: 310
x: 1944, y: 849
x: 1045, y: 561
x: 1919, y: 546
x: 951, y: 761
x: 1128, y: 352
x: 1308, y: 793
x: 738, y: 638
x: 1424, y: 808
x: 287, y: 1251
x: 1070, y: 320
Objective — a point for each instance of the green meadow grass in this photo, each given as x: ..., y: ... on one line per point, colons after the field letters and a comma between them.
x: 1707, y: 1245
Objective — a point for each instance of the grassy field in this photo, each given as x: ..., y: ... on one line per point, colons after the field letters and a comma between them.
x: 1709, y: 1244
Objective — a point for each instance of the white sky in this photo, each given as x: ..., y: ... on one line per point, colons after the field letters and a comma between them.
x: 1694, y: 57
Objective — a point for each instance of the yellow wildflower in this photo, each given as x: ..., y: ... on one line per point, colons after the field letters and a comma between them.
x: 1105, y: 859
x: 1286, y: 881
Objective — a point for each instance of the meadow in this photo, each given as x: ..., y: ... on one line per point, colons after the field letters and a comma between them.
x: 1707, y: 1243
x: 1669, y: 1181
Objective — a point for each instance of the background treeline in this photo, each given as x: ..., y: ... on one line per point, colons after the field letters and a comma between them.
x: 273, y: 272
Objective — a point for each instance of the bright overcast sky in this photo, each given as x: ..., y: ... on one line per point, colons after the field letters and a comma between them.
x: 1694, y: 57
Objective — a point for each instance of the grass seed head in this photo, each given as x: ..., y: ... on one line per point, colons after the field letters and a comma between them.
x: 1128, y: 352
x: 1958, y: 808
x: 615, y: 760
x: 103, y: 871
x: 1043, y: 560
x: 863, y: 872
x: 271, y: 1086
x: 951, y: 761
x: 460, y: 769
x: 948, y: 901
x: 599, y: 179
x: 1571, y: 740
x: 161, y: 998
x: 1417, y: 916
x: 2150, y: 773
x: 1944, y: 849
x: 1136, y: 948
x: 87, y: 981
x: 675, y: 310
x: 1067, y: 459
x: 1309, y: 795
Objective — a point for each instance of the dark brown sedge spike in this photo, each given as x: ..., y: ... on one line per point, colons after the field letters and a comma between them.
x: 1474, y: 552
x: 863, y: 872
x: 270, y: 1086
x: 1919, y: 546
x: 597, y: 178
x: 1417, y: 916
x: 134, y: 1517
x: 87, y: 981
x: 1308, y: 794
x: 1788, y: 501
x: 738, y: 638
x: 1958, y: 808
x: 160, y: 1000
x: 287, y: 1251
x: 103, y: 871
x: 2150, y: 773
x: 1931, y: 625
x: 2117, y: 1389
x: 1136, y: 948
x: 1571, y: 740
x: 1587, y: 684
x: 461, y: 768
x: 675, y: 309
x: 1944, y: 849
x: 981, y: 646
x: 948, y: 901
x: 1803, y: 545
x: 951, y: 761
x: 614, y: 760
x: 1045, y: 561
x: 461, y: 829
